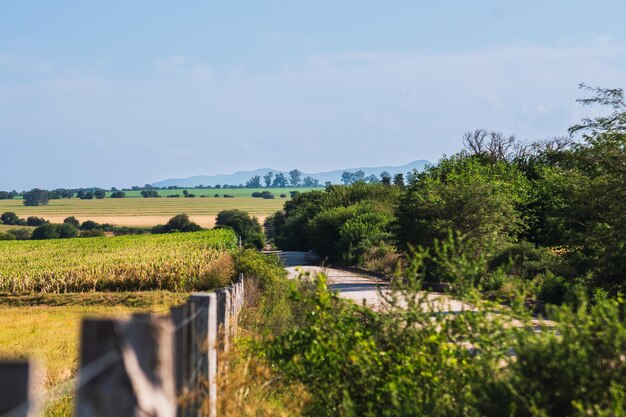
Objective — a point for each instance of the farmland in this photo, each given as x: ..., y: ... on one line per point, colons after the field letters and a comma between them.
x: 128, y: 263
x: 235, y: 192
x: 145, y: 211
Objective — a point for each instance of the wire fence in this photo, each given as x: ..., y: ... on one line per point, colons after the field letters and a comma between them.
x: 185, y: 346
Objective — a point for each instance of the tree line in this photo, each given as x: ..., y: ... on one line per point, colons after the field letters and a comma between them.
x: 551, y: 213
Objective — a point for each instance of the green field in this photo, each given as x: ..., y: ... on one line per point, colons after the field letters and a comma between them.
x: 237, y: 192
x: 177, y: 262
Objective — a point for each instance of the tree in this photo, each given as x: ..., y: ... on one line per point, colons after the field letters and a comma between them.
x: 463, y: 194
x: 66, y: 231
x: 178, y: 223
x: 72, y: 220
x: 268, y: 179
x: 118, y: 194
x: 492, y: 146
x: 46, y: 231
x: 280, y: 181
x: 36, y: 197
x: 35, y: 221
x: 310, y: 182
x: 247, y: 227
x: 295, y: 177
x: 384, y: 175
x: 152, y: 194
x: 372, y: 179
x: 398, y: 180
x: 11, y: 219
x: 99, y: 194
x: 351, y: 177
x: 254, y: 182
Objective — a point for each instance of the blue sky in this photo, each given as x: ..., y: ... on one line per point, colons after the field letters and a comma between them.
x: 119, y: 93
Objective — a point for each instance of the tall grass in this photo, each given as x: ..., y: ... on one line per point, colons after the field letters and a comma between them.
x: 176, y: 262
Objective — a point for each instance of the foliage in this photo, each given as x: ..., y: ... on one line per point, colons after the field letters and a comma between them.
x: 178, y: 223
x: 462, y: 194
x: 35, y: 221
x: 11, y: 219
x: 244, y: 225
x: 295, y: 178
x: 315, y: 220
x: 36, y: 197
x: 410, y: 359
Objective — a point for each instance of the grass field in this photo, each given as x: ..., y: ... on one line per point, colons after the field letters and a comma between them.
x: 179, y: 261
x: 47, y: 327
x: 145, y: 211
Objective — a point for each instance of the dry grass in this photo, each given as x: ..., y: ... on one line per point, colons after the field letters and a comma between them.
x: 248, y: 387
x: 143, y: 211
x: 46, y: 327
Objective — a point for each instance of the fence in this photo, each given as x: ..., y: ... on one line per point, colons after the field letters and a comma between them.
x: 146, y: 365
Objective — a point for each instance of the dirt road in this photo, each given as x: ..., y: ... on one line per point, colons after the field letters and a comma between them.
x: 358, y: 287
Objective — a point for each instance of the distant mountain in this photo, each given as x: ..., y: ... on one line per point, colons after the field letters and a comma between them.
x: 241, y: 177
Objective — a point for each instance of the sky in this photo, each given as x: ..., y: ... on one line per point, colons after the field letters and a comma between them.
x: 120, y: 93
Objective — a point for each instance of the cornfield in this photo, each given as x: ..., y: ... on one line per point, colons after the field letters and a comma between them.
x: 175, y: 262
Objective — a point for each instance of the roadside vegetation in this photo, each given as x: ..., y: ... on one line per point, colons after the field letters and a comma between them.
x: 548, y: 214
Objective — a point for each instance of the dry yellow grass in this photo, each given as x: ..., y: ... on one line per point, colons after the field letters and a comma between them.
x: 47, y: 328
x: 143, y: 211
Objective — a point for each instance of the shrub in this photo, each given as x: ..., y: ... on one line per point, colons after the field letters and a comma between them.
x: 6, y: 236
x: 20, y: 234
x: 246, y: 226
x: 72, y: 220
x: 89, y: 225
x: 66, y: 230
x: 118, y: 194
x: 35, y: 221
x: 283, y: 196
x: 11, y: 219
x: 46, y: 231
x: 552, y: 289
x: 178, y: 223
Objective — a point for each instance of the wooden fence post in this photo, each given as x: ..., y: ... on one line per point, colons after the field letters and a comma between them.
x: 223, y: 318
x: 205, y: 328
x: 182, y: 357
x: 127, y: 368
x: 19, y: 388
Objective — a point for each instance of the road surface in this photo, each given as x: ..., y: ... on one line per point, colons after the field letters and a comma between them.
x: 358, y: 287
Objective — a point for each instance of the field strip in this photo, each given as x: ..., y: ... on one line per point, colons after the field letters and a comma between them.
x: 137, y: 221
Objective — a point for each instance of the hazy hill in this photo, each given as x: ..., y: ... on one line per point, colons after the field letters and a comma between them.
x: 241, y: 177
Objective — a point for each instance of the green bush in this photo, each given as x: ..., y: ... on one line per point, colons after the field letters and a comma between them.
x: 6, y: 236
x: 46, y: 231
x: 178, y: 223
x: 20, y: 234
x: 246, y: 226
x: 552, y: 289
